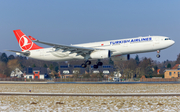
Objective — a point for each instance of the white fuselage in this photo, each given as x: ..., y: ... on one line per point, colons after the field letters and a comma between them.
x: 117, y: 47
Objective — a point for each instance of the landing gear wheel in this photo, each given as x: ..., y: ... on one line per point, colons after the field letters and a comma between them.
x: 99, y: 63
x: 88, y: 62
x: 83, y: 65
x: 95, y: 66
x: 158, y: 56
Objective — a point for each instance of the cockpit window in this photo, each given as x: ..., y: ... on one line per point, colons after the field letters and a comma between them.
x: 167, y: 39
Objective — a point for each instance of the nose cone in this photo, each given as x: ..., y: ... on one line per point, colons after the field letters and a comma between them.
x: 172, y: 42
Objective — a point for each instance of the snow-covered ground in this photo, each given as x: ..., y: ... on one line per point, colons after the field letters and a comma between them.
x: 84, y: 104
x: 88, y: 103
x: 91, y: 88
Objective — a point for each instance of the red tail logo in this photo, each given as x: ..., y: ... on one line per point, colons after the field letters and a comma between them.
x: 24, y: 42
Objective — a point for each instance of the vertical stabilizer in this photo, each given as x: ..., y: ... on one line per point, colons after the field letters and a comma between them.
x: 24, y: 42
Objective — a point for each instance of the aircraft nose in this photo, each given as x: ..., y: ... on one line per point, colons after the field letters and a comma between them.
x: 173, y: 42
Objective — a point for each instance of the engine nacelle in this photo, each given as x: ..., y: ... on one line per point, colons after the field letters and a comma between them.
x: 121, y: 58
x: 100, y: 54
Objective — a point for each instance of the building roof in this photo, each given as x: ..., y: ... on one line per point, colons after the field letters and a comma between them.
x: 17, y: 72
x: 30, y: 70
x: 171, y: 70
x: 81, y: 70
x: 176, y: 66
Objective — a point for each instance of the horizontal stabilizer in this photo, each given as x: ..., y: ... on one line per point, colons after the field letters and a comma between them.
x: 32, y: 38
x: 26, y: 53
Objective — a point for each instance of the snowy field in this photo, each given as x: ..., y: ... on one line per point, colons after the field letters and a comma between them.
x: 88, y: 103
x: 91, y: 88
x: 85, y: 104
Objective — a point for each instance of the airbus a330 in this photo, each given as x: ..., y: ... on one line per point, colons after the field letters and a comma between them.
x: 115, y: 49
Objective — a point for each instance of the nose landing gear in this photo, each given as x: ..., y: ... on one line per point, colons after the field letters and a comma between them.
x: 158, y: 55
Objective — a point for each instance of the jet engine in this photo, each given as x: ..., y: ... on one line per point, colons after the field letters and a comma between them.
x: 121, y: 58
x: 100, y: 54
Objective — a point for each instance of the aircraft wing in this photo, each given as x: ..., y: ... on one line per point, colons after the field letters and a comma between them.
x: 65, y: 48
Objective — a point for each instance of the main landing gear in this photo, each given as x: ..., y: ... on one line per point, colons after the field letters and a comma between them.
x: 98, y: 64
x: 158, y: 55
x: 84, y: 65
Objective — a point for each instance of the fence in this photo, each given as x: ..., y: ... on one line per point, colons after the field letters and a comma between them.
x: 91, y: 80
x: 81, y: 80
x: 12, y: 79
x: 57, y: 79
x: 159, y: 80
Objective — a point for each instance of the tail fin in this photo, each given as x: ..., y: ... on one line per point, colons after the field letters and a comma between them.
x: 24, y: 42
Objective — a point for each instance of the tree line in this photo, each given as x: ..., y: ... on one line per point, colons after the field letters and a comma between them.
x: 134, y: 68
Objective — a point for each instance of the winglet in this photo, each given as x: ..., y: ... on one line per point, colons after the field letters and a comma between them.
x: 24, y: 42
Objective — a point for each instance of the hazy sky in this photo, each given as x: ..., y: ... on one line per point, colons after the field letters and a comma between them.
x: 80, y: 21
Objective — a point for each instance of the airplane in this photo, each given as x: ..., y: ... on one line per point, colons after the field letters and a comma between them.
x: 115, y: 49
